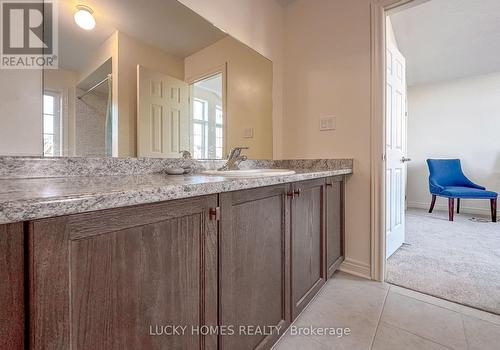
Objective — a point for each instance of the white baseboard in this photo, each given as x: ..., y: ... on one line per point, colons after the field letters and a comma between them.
x: 356, y: 268
x: 465, y: 210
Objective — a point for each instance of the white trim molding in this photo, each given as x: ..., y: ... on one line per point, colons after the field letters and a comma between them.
x: 378, y: 10
x: 356, y: 268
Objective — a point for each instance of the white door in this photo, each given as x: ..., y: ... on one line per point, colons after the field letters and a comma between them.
x: 162, y: 114
x: 395, y: 149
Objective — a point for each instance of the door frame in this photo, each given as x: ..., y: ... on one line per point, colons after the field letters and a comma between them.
x: 378, y: 9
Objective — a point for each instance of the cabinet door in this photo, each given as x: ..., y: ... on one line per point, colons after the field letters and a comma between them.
x: 117, y: 279
x: 12, y: 287
x: 253, y: 271
x: 334, y: 212
x: 307, y: 236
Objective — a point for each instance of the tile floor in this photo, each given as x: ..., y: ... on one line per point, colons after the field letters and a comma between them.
x: 381, y: 316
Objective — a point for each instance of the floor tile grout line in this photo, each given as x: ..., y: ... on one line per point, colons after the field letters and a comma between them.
x: 410, y: 332
x: 380, y: 317
x: 428, y: 302
x: 445, y: 307
x: 465, y: 332
x: 418, y: 335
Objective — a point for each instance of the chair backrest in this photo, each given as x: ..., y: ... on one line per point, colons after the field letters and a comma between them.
x: 446, y: 172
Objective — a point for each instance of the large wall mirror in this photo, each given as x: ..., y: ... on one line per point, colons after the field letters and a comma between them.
x: 151, y: 78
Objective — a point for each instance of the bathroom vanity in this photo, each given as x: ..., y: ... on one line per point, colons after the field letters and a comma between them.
x: 99, y: 247
x: 237, y: 255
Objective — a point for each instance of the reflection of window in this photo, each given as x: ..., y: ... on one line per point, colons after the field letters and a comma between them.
x: 218, y: 132
x: 51, y: 124
x: 207, y: 118
x: 200, y: 129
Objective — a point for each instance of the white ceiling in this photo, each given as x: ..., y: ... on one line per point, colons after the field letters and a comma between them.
x: 166, y: 24
x: 449, y: 39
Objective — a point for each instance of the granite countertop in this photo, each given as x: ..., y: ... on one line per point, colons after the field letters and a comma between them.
x: 23, y: 199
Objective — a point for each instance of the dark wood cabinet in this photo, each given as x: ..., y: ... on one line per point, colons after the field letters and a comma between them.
x: 244, y: 263
x: 115, y: 279
x: 334, y: 223
x: 253, y: 266
x: 307, y: 242
x: 12, y: 286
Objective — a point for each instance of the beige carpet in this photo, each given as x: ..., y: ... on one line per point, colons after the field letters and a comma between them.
x: 458, y: 261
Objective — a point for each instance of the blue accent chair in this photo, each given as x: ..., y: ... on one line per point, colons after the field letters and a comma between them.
x: 446, y: 179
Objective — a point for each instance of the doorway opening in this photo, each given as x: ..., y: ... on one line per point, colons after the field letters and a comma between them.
x: 442, y: 116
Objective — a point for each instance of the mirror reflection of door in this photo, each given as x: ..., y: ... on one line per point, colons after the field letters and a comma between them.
x: 91, y: 99
x: 162, y: 117
x: 207, y: 117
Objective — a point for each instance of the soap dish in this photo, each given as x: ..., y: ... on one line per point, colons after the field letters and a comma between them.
x: 175, y: 171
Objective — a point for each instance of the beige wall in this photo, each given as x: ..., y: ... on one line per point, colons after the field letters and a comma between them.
x: 21, y: 112
x: 327, y: 72
x: 132, y: 52
x: 249, y: 99
x: 258, y: 24
x: 455, y: 119
x: 108, y: 49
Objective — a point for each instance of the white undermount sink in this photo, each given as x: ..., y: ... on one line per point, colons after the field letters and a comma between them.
x: 249, y: 172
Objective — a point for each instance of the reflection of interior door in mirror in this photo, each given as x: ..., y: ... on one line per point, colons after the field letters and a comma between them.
x: 162, y: 115
x: 207, y: 117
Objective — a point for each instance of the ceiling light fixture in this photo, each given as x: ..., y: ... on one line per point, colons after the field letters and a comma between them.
x: 84, y: 17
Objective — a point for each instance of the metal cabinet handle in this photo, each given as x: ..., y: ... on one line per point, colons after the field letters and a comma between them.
x: 294, y: 193
x: 214, y: 213
x: 404, y: 159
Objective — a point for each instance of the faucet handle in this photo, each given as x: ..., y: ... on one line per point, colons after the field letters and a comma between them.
x: 236, y: 151
x: 238, y: 148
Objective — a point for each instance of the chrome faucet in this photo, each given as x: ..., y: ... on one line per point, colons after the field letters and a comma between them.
x: 234, y: 159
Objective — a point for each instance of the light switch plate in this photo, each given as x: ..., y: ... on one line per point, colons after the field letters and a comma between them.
x: 248, y: 133
x: 327, y: 122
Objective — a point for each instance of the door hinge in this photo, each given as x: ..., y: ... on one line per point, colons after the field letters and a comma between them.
x: 214, y: 213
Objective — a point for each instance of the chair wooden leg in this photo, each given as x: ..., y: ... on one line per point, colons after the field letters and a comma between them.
x: 433, y: 201
x: 458, y: 205
x: 493, y: 203
x: 451, y: 210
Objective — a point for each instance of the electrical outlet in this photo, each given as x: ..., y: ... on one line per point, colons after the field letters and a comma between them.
x: 327, y: 122
x: 248, y: 133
